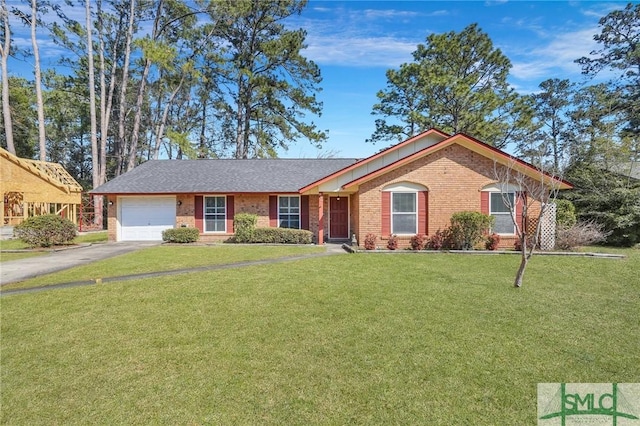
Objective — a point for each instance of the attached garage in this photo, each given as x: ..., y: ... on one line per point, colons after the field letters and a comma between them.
x: 144, y: 218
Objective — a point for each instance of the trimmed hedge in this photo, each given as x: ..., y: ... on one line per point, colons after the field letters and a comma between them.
x: 244, y: 225
x: 468, y: 228
x: 180, y: 235
x: 281, y: 236
x: 46, y: 230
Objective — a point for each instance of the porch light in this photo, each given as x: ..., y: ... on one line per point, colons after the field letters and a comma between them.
x: 110, y: 203
x: 179, y: 202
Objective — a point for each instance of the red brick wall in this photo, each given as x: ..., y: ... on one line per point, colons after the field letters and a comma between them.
x: 454, y: 177
x: 112, y: 218
x: 254, y: 204
x: 257, y: 204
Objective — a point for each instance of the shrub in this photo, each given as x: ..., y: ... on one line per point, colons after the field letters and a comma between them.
x: 180, y: 235
x: 370, y: 241
x: 417, y: 242
x: 392, y: 243
x: 608, y: 198
x: 468, y: 228
x: 46, y: 231
x: 281, y: 236
x: 518, y: 246
x: 581, y: 234
x: 492, y: 242
x: 244, y: 225
x: 438, y: 241
x: 565, y: 213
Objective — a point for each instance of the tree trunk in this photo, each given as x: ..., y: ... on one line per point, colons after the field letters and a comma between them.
x: 42, y: 139
x: 163, y: 121
x: 106, y: 102
x: 133, y: 146
x: 240, y: 147
x: 524, y: 259
x: 4, y: 54
x: 95, y: 156
x: 122, y: 110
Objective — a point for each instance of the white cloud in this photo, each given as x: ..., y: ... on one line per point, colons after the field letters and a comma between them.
x: 555, y: 57
x: 359, y: 51
x: 495, y: 2
x: 363, y: 38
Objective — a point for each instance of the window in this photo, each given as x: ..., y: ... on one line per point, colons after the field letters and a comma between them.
x: 289, y: 212
x: 501, y: 211
x: 215, y: 217
x: 404, y: 213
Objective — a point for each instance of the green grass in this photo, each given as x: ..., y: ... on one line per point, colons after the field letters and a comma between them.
x: 365, y: 339
x: 9, y: 256
x: 93, y: 237
x: 165, y: 258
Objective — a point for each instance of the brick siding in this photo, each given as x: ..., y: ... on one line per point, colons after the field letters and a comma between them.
x: 454, y: 177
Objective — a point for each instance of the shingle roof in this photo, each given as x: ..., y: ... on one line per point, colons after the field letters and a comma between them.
x: 223, y: 176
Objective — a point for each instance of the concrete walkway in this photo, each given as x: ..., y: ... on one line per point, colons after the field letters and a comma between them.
x: 23, y: 269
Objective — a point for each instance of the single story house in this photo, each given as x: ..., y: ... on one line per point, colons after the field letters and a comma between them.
x: 33, y: 188
x: 410, y: 188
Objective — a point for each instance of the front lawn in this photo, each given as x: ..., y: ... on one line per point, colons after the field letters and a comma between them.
x: 366, y: 338
x: 166, y: 258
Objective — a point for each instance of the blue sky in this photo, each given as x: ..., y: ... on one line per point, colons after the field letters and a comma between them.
x: 356, y: 42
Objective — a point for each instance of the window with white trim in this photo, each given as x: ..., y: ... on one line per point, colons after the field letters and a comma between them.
x: 404, y: 213
x: 501, y: 211
x: 289, y: 212
x: 215, y: 214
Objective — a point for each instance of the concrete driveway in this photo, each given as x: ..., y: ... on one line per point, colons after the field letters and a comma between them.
x: 20, y: 270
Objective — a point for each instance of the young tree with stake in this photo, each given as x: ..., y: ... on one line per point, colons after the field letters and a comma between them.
x: 529, y: 194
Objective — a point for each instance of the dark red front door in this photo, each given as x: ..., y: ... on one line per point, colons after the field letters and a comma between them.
x: 338, y: 217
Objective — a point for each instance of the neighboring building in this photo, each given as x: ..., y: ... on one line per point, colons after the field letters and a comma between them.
x: 33, y: 188
x: 410, y: 188
x: 629, y: 169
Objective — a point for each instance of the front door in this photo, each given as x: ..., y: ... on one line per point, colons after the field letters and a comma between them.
x: 339, y: 217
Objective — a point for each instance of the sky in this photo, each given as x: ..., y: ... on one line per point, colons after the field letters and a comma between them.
x: 355, y: 42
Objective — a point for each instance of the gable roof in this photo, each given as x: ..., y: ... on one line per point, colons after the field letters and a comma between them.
x: 378, y: 156
x: 299, y: 175
x: 222, y: 176
x: 52, y: 173
x: 466, y: 141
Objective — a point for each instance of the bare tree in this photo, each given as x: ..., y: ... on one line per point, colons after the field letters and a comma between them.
x: 95, y: 154
x: 4, y: 55
x: 106, y: 104
x: 42, y: 138
x: 32, y: 21
x: 534, y: 192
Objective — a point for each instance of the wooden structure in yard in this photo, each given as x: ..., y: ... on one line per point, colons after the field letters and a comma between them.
x: 34, y: 188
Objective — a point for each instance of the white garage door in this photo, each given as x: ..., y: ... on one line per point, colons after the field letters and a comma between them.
x: 144, y: 218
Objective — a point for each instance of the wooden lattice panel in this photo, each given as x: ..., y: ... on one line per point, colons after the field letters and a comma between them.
x: 548, y: 228
x: 547, y: 237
